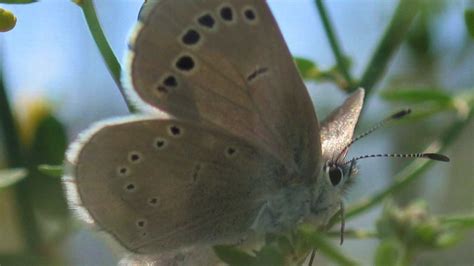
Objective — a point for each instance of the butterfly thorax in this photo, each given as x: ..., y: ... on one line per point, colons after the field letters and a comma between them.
x: 284, y: 210
x: 299, y: 202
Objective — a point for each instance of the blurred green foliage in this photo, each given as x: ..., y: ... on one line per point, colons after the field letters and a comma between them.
x: 310, y: 72
x: 43, y: 212
x: 469, y: 18
x: 403, y: 233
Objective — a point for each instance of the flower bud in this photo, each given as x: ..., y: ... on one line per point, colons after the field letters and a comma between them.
x: 7, y: 20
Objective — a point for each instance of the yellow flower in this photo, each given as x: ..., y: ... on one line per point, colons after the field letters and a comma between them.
x: 31, y: 110
x: 7, y: 20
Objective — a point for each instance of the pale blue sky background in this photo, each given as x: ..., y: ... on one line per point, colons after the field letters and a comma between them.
x: 50, y: 54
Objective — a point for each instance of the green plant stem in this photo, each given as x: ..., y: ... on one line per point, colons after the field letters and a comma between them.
x: 316, y: 240
x: 407, y: 257
x: 14, y: 157
x: 108, y: 55
x: 412, y: 171
x: 340, y: 58
x: 465, y: 221
x: 394, y: 35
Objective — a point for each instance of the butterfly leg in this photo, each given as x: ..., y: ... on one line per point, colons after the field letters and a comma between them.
x: 311, y: 259
x: 263, y: 219
x: 343, y: 222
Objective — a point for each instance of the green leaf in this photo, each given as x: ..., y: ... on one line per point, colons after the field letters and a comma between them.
x: 448, y: 239
x: 323, y: 245
x: 285, y: 245
x: 48, y: 147
x: 387, y: 253
x: 416, y: 96
x: 307, y: 68
x: 459, y: 221
x: 469, y: 19
x: 419, y: 37
x: 49, y: 142
x: 17, y: 1
x: 233, y: 256
x: 270, y: 255
x: 51, y: 170
x: 9, y: 177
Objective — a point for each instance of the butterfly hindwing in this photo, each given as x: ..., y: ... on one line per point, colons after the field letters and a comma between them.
x: 160, y: 184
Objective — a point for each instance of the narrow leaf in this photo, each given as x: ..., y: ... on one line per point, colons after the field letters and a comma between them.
x: 306, y: 67
x: 324, y: 246
x: 233, y: 256
x: 9, y: 177
x: 51, y: 170
x: 459, y: 221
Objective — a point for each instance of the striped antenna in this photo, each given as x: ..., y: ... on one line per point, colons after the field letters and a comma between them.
x: 395, y: 116
x: 431, y: 156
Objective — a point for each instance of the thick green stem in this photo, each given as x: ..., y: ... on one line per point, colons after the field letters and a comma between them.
x: 340, y: 58
x: 14, y: 157
x: 412, y: 171
x: 390, y: 42
x: 105, y: 50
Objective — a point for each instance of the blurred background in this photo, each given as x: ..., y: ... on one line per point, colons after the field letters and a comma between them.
x: 57, y: 85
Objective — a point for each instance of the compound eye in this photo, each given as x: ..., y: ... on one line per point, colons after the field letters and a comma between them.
x: 335, y: 175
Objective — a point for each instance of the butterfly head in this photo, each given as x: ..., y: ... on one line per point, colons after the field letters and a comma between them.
x: 339, y: 174
x: 335, y: 179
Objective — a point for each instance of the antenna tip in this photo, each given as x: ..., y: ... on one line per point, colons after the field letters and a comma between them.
x: 401, y: 113
x: 436, y: 157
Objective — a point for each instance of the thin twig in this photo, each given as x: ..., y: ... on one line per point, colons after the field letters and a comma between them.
x: 340, y: 58
x: 108, y: 55
x: 389, y: 44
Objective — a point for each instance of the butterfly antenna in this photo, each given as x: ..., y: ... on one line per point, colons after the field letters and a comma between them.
x: 430, y: 156
x: 395, y: 116
x: 398, y: 115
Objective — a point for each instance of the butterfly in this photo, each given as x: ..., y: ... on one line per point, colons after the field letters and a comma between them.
x: 227, y: 142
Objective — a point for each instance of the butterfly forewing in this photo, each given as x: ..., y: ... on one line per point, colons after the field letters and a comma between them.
x: 338, y: 128
x: 226, y: 63
x: 172, y: 184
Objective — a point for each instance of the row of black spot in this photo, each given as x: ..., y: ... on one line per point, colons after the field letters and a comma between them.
x: 192, y: 37
x: 135, y: 157
x: 226, y: 13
